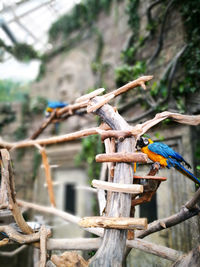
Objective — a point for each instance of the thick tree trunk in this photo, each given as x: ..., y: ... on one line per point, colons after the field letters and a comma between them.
x: 112, y: 249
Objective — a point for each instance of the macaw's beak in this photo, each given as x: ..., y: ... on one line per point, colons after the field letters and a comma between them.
x: 139, y: 144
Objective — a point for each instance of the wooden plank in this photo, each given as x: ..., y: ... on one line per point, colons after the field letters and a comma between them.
x: 114, y: 222
x: 90, y: 95
x: 150, y: 177
x: 122, y: 157
x: 118, y: 187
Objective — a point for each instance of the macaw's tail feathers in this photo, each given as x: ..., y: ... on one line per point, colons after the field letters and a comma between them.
x: 187, y: 173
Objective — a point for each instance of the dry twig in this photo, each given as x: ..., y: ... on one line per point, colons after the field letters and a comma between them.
x: 47, y: 174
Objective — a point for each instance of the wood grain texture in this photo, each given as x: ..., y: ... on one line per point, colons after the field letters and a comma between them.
x: 123, y: 188
x: 113, y: 245
x: 122, y: 157
x: 114, y: 222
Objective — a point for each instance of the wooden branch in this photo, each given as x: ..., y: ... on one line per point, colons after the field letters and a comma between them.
x: 140, y: 129
x: 116, y: 134
x: 7, y: 176
x: 94, y: 244
x: 114, y: 222
x: 139, y: 82
x: 122, y: 157
x: 43, y: 246
x: 136, y: 131
x: 181, y: 216
x: 195, y: 199
x: 19, y: 238
x: 149, y: 188
x: 151, y: 248
x: 93, y: 107
x: 47, y: 174
x: 43, y: 126
x: 53, y: 140
x: 70, y: 108
x: 74, y: 243
x: 90, y: 95
x: 150, y: 177
x: 114, y: 187
x: 64, y: 215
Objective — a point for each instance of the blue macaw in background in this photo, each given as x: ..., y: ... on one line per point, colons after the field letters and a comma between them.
x: 166, y: 156
x: 52, y: 105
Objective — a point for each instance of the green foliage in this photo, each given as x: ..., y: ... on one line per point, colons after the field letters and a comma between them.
x: 7, y: 115
x: 38, y: 105
x: 127, y: 73
x: 190, y: 11
x: 12, y: 91
x: 91, y: 146
x: 20, y: 51
x: 24, y: 52
x: 83, y: 14
x: 128, y: 55
x: 134, y: 20
x: 42, y: 71
x: 22, y: 131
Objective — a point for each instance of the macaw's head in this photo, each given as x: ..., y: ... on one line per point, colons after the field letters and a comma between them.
x: 142, y: 142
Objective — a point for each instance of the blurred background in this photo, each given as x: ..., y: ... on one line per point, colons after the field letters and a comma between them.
x: 56, y: 50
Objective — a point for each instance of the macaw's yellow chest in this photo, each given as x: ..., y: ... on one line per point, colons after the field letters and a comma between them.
x: 154, y: 157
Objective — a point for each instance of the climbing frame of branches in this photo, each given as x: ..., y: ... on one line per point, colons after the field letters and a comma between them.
x: 124, y: 189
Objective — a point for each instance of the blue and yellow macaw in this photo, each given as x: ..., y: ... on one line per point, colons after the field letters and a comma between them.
x: 166, y: 156
x: 52, y: 105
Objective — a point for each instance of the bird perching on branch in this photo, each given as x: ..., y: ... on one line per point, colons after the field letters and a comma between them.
x: 54, y: 105
x: 166, y: 156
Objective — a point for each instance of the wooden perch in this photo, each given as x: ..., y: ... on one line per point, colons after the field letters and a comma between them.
x: 149, y: 188
x: 116, y: 134
x: 93, y: 107
x: 90, y: 95
x: 138, y: 82
x: 187, y: 211
x: 70, y: 108
x: 123, y: 188
x: 7, y: 176
x: 122, y: 157
x: 136, y: 131
x: 58, y: 213
x: 20, y: 238
x: 150, y: 177
x: 94, y: 244
x: 114, y: 223
x: 142, y: 128
x: 86, y: 244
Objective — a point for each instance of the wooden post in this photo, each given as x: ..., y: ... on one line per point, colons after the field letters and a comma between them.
x: 113, y: 245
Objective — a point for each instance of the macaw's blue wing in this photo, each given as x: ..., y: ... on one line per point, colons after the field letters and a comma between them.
x: 185, y: 172
x: 166, y: 151
x: 56, y: 104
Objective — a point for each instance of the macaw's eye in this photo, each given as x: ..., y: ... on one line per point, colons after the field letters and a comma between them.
x: 146, y: 142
